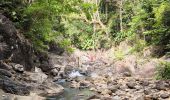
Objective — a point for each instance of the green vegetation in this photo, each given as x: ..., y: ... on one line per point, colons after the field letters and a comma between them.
x: 93, y: 24
x: 163, y: 70
x: 119, y: 55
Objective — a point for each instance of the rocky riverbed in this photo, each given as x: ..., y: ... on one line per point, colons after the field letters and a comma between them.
x: 26, y: 74
x: 114, y: 81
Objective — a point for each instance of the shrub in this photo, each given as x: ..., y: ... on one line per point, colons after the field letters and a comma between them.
x: 138, y: 46
x: 119, y: 55
x: 163, y: 70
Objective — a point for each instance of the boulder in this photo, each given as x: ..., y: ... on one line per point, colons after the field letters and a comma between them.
x: 5, y: 73
x: 37, y: 77
x: 12, y: 87
x: 14, y: 46
x: 46, y: 63
x: 49, y: 89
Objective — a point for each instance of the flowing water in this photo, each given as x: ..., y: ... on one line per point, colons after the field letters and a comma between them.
x: 72, y: 93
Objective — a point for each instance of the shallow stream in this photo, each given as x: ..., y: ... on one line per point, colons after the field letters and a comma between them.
x: 72, y: 93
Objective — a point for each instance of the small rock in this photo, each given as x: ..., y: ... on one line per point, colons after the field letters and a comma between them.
x: 127, y: 74
x: 126, y: 98
x: 54, y: 72
x: 19, y: 68
x: 106, y: 91
x: 131, y: 85
x: 114, y: 82
x: 83, y: 85
x: 106, y: 97
x: 148, y: 97
x: 113, y: 88
x: 164, y: 96
x: 147, y: 91
x: 139, y: 97
x: 116, y: 98
x: 123, y: 87
x: 93, y: 97
x: 155, y: 96
x: 145, y: 83
x: 138, y: 87
x: 160, y: 85
x: 80, y: 94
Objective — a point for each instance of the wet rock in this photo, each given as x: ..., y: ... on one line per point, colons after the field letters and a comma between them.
x: 83, y: 85
x: 49, y: 89
x: 80, y: 79
x: 74, y: 84
x: 75, y: 74
x: 164, y: 96
x: 131, y: 85
x: 94, y: 97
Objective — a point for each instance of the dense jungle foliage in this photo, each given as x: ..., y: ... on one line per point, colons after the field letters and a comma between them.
x: 91, y: 24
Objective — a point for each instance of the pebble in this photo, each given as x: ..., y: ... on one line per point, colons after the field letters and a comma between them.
x: 131, y: 85
x: 164, y: 96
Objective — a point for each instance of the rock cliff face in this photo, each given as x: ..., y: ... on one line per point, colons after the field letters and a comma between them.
x: 18, y: 62
x: 13, y: 46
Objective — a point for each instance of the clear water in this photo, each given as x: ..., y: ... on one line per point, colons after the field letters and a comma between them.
x: 72, y: 93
